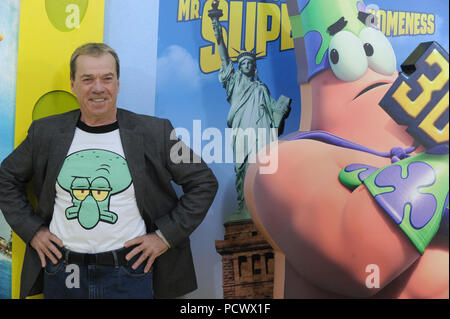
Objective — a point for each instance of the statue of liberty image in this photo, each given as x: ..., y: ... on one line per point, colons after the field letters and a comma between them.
x: 254, y: 115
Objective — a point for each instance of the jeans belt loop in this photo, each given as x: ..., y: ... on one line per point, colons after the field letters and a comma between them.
x: 116, y: 261
x: 66, y: 256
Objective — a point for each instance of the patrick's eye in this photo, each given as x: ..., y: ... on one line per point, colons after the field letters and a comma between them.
x: 334, y: 56
x: 380, y: 55
x: 369, y: 49
x: 347, y: 56
x: 80, y: 194
x: 99, y: 195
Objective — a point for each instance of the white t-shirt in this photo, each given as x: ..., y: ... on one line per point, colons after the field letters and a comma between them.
x: 95, y: 206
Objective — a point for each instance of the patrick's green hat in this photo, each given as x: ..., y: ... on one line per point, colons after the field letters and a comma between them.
x: 314, y: 22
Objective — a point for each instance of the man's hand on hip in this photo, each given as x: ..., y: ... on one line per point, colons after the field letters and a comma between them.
x: 150, y: 246
x: 43, y: 242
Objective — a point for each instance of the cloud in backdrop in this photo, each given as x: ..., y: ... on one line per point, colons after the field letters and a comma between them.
x: 177, y: 67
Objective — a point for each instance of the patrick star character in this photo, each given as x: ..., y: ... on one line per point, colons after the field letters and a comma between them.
x: 358, y: 207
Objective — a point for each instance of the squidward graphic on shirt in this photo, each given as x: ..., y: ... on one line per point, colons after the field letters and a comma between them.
x: 92, y: 177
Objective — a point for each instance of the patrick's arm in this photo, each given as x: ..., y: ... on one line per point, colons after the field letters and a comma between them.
x: 331, y: 236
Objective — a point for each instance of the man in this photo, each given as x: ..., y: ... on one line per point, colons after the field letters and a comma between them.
x: 252, y: 108
x: 102, y: 178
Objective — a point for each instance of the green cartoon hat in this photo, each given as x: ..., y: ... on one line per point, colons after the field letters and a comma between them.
x: 314, y: 24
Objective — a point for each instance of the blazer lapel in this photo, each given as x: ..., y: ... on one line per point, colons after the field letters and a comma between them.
x: 60, y: 144
x: 133, y: 148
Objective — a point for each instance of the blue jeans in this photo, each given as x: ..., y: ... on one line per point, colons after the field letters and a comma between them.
x: 63, y: 281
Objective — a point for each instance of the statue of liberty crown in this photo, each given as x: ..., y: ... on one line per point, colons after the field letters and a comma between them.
x: 243, y: 54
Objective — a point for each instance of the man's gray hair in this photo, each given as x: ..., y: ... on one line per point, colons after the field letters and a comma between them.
x: 95, y: 50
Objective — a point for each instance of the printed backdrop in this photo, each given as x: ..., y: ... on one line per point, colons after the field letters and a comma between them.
x: 9, y: 27
x: 169, y: 68
x: 188, y: 88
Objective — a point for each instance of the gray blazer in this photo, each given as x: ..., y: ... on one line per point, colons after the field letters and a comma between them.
x: 147, y: 147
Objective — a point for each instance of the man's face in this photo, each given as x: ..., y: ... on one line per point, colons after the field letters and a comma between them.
x: 247, y: 67
x: 96, y: 87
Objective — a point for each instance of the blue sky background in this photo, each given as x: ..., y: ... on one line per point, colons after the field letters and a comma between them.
x: 403, y: 45
x: 131, y: 29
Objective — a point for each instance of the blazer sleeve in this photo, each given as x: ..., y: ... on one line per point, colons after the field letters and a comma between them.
x: 16, y: 171
x: 199, y: 187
